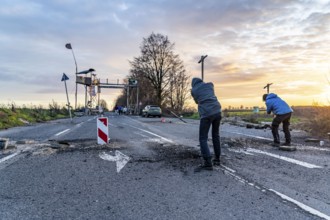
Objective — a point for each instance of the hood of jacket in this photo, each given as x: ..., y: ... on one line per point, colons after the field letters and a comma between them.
x: 276, y: 105
x: 196, y: 81
x: 271, y: 96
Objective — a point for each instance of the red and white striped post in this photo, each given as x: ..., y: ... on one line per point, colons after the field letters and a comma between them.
x: 102, y: 130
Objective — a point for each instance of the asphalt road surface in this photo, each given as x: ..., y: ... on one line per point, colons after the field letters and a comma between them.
x: 56, y: 170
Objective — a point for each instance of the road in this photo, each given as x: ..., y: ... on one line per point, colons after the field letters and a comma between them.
x: 57, y: 171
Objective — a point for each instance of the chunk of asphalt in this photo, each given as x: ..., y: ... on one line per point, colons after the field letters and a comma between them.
x: 25, y: 142
x: 55, y: 146
x: 3, y: 143
x: 64, y: 142
x: 287, y: 148
x: 314, y: 140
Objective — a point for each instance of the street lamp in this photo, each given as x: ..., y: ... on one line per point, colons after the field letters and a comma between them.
x: 68, y: 46
x: 202, y: 61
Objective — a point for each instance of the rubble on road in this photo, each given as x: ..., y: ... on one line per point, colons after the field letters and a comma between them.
x: 3, y: 143
x: 287, y: 148
x: 237, y: 121
x: 313, y: 140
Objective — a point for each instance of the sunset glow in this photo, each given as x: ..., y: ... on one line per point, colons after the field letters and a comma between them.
x: 248, y: 43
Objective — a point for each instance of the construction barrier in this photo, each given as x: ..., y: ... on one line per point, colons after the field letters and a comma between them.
x: 102, y: 130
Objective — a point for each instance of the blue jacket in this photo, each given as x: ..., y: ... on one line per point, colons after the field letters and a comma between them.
x: 276, y: 105
x: 203, y: 94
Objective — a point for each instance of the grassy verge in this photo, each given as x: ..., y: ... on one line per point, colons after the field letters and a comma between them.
x: 16, y: 116
x: 315, y: 119
x: 193, y: 115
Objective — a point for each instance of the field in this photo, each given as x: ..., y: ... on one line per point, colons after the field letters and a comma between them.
x: 313, y: 119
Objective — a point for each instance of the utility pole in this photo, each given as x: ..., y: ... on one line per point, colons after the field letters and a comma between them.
x: 202, y: 61
x: 127, y: 98
x: 267, y: 86
x: 137, y: 100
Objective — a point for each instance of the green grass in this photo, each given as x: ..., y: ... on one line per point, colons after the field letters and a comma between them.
x: 195, y: 115
x: 12, y: 117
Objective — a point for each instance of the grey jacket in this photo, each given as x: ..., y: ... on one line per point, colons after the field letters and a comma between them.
x: 203, y: 94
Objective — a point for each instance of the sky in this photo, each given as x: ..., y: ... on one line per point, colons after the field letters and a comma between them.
x: 249, y: 44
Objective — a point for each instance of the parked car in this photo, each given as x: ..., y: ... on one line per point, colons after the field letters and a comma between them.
x: 152, y: 110
x: 79, y: 112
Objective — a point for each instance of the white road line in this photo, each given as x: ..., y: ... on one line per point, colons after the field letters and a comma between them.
x: 302, y: 206
x: 294, y: 161
x: 311, y: 210
x: 240, y: 151
x: 313, y: 148
x: 59, y: 133
x: 79, y: 125
x: 165, y: 139
x: 92, y: 118
x: 142, y: 135
x: 248, y: 135
x: 269, y: 139
x: 9, y: 157
x: 229, y: 169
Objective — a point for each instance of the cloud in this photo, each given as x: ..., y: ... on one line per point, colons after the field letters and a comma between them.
x: 249, y: 43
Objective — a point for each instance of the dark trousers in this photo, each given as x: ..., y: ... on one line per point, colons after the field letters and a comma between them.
x: 285, y: 119
x: 204, y: 128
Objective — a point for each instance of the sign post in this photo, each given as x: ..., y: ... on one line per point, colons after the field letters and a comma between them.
x: 69, y: 46
x: 102, y: 130
x: 65, y: 78
x: 267, y: 86
x: 202, y: 61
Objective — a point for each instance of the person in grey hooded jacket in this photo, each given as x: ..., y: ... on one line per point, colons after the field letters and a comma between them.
x: 209, y: 110
x: 282, y: 112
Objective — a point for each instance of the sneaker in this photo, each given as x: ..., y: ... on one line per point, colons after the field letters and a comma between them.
x: 286, y: 144
x: 203, y: 167
x: 216, y: 162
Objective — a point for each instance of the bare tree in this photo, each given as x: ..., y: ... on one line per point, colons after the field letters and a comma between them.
x: 157, y: 64
x: 178, y: 91
x: 147, y: 94
x: 104, y: 104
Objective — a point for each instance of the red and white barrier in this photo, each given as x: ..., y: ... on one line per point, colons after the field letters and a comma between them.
x: 102, y: 130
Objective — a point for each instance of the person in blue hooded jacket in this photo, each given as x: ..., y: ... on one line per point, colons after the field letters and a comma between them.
x: 282, y: 112
x: 209, y: 110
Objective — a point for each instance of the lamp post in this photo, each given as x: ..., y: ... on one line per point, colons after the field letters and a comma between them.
x: 68, y: 46
x: 202, y: 61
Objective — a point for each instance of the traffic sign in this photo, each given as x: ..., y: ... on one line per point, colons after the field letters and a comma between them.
x: 64, y: 77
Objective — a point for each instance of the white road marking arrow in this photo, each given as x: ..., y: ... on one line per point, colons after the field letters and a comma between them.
x: 120, y: 159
